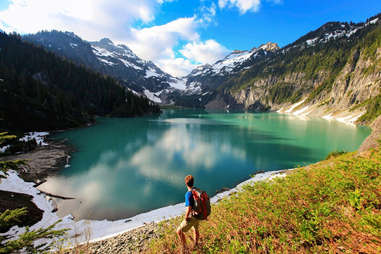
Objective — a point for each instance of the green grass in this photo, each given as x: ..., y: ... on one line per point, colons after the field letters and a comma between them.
x: 334, y: 154
x: 330, y: 207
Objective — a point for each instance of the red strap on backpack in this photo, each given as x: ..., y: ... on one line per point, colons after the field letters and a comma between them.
x: 204, y: 197
x: 196, y: 197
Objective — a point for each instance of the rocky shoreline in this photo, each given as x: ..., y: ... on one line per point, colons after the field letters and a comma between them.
x: 43, y: 161
x: 372, y: 140
x: 133, y: 241
x: 40, y: 163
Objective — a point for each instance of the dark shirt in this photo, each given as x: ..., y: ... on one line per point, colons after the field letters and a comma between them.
x: 189, y: 201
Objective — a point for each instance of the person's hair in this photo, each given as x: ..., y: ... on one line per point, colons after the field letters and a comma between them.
x: 189, y: 180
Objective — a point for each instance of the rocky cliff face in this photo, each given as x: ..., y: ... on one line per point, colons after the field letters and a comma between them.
x: 351, y: 88
x: 373, y: 140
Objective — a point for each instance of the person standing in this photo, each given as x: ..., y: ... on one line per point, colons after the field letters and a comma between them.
x: 189, y: 220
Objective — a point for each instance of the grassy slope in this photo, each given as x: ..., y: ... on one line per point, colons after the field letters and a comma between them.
x: 333, y: 206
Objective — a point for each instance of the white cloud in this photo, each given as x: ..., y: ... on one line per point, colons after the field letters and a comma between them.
x: 157, y: 41
x: 203, y: 156
x: 90, y: 19
x: 204, y: 52
x: 156, y: 44
x: 243, y: 5
x: 95, y: 19
x: 163, y: 1
x: 177, y: 67
x: 207, y: 14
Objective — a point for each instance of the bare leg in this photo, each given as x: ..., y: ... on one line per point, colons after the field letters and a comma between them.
x: 181, y: 235
x: 196, y: 236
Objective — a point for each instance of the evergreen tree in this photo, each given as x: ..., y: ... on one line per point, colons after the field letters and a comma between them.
x: 25, y: 241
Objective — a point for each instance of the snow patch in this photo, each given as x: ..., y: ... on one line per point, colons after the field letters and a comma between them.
x: 102, y: 52
x: 4, y: 148
x: 350, y: 119
x: 178, y: 83
x: 152, y: 96
x: 300, y: 111
x: 134, y: 92
x: 38, y: 136
x: 351, y: 32
x: 129, y: 64
x: 294, y: 106
x: 347, y: 119
x: 328, y: 117
x: 106, y: 61
x: 373, y: 21
x: 73, y: 45
x: 194, y: 87
x: 231, y: 61
x: 312, y: 41
x: 151, y: 73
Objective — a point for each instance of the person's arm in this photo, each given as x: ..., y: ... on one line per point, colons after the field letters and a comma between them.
x: 188, y: 212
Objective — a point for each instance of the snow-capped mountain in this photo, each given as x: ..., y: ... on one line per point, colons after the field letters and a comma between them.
x: 208, y: 76
x: 141, y: 76
x: 235, y: 61
x: 144, y: 77
x: 205, y: 82
x: 331, y: 31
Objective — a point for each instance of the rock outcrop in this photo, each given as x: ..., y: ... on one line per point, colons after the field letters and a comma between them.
x: 374, y: 139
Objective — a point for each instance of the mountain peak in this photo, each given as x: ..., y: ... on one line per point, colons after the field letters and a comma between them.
x: 236, y: 51
x: 269, y: 46
x: 70, y: 34
x: 106, y: 41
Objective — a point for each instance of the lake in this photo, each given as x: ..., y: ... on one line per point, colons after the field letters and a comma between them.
x: 123, y: 167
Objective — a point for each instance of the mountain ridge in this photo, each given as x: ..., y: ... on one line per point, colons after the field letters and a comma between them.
x: 119, y: 61
x: 103, y: 56
x: 265, y: 78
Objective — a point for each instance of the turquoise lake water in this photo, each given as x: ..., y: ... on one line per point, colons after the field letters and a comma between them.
x: 123, y: 167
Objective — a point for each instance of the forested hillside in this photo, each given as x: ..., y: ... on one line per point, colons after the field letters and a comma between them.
x: 40, y: 91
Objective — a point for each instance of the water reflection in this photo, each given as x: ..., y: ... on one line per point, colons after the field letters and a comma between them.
x: 181, y: 146
x: 127, y: 166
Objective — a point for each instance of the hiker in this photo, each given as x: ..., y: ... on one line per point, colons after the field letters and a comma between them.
x: 189, y: 221
x: 197, y: 205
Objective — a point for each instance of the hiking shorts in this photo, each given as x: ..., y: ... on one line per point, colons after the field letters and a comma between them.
x: 187, y: 224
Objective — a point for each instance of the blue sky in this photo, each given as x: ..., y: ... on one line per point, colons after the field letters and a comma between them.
x: 282, y: 23
x: 178, y: 35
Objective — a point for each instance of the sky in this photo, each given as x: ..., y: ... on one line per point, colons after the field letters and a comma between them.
x: 178, y: 35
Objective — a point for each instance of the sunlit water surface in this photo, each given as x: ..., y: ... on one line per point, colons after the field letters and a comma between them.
x: 123, y: 167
